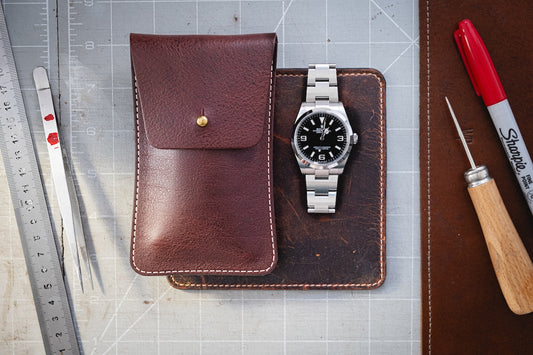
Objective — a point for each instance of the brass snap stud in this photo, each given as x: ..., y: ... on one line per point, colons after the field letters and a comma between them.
x: 202, y: 121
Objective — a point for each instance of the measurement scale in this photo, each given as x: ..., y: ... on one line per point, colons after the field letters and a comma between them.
x: 33, y: 219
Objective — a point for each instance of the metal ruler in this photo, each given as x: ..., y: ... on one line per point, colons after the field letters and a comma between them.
x: 33, y: 219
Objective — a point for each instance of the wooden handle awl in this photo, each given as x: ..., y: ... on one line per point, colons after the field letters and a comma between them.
x: 510, y: 259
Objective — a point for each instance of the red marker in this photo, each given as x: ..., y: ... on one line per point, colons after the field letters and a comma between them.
x: 487, y: 84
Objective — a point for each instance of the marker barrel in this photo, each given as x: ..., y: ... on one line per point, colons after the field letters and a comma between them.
x: 514, y: 146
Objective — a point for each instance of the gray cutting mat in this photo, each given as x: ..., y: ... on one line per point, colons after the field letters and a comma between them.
x: 86, y: 51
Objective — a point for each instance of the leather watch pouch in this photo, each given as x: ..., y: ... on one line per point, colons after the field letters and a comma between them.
x: 203, y: 197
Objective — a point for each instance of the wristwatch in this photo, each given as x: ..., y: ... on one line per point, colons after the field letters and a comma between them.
x: 322, y: 138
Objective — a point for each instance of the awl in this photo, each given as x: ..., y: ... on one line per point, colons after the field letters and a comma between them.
x: 510, y: 259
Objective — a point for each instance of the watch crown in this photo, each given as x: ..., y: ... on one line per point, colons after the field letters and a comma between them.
x: 354, y: 138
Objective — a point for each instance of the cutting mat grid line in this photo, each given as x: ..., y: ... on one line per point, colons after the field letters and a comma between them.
x: 128, y: 313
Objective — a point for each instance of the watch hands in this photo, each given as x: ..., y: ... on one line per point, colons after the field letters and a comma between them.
x: 324, y: 130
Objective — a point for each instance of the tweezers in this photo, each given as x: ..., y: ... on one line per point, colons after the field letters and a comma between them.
x: 61, y: 176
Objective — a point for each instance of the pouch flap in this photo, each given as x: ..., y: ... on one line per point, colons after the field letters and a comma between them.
x: 228, y: 79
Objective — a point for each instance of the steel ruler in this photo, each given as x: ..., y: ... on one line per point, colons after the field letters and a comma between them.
x: 31, y: 212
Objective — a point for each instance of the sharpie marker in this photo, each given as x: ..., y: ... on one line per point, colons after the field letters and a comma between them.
x: 487, y: 85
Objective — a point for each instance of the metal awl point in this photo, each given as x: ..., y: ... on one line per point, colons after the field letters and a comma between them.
x: 461, y: 135
x: 476, y: 175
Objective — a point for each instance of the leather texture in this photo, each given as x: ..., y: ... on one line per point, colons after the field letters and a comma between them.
x: 345, y: 250
x: 463, y: 309
x: 203, y: 200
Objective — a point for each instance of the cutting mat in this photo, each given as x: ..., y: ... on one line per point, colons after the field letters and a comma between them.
x: 84, y: 45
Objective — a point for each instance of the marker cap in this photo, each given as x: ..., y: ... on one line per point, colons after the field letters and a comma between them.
x: 478, y: 64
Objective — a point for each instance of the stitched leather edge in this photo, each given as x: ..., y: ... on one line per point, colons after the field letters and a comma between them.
x: 269, y: 192
x: 428, y: 176
x: 177, y: 284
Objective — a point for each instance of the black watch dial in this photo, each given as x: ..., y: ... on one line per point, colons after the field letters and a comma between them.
x: 321, y: 137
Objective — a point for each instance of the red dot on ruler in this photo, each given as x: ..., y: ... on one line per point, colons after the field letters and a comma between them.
x: 49, y: 117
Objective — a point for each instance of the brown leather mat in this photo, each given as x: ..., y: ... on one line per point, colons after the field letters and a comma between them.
x: 463, y: 309
x: 345, y: 250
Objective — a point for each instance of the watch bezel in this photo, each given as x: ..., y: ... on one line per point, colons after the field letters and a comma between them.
x: 341, y: 159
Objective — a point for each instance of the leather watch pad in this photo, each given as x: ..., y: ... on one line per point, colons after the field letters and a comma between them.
x: 345, y: 250
x: 463, y: 309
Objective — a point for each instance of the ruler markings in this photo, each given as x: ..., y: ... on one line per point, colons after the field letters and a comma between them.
x: 31, y: 211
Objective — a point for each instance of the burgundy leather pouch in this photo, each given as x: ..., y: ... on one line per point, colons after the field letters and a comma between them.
x: 203, y: 200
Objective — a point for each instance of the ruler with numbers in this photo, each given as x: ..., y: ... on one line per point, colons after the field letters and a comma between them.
x: 33, y: 219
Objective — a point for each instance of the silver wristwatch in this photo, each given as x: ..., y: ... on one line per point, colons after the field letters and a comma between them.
x: 322, y: 138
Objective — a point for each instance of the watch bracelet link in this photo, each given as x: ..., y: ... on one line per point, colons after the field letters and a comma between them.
x: 321, y: 186
x: 322, y: 84
x: 321, y: 193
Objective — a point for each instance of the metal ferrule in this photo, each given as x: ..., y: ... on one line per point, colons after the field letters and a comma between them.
x: 477, y: 176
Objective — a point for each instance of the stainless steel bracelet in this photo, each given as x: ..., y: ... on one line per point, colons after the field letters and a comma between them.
x: 321, y: 193
x: 322, y: 84
x: 321, y: 184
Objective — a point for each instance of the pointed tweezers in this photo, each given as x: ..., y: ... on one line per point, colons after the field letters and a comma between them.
x: 61, y: 175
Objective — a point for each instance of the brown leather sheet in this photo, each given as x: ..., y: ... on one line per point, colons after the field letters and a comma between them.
x: 345, y: 250
x: 463, y: 309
